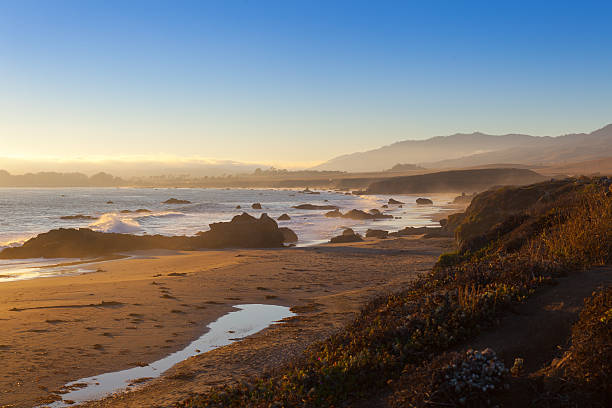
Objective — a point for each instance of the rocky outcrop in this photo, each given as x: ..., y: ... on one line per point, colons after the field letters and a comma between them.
x: 289, y: 236
x: 348, y: 235
x: 424, y: 201
x: 362, y: 215
x: 256, y: 206
x: 140, y: 210
x: 243, y: 231
x: 334, y: 214
x: 377, y: 233
x: 78, y: 217
x: 428, y: 232
x: 284, y: 217
x: 315, y: 207
x: 463, y: 198
x: 394, y: 202
x: 176, y: 201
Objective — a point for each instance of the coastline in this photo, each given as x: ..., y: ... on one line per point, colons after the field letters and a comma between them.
x: 158, y: 301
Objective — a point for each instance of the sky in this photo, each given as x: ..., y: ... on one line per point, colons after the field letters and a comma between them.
x: 292, y: 83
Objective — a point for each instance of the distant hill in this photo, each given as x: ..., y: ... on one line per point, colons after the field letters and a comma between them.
x: 477, y: 149
x: 474, y: 180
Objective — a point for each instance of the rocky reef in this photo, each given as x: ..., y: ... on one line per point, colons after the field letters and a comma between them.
x: 243, y: 231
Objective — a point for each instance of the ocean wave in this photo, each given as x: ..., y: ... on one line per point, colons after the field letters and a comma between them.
x: 114, y: 222
x: 160, y: 214
x: 15, y: 242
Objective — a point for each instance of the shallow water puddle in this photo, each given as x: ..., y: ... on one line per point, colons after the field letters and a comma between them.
x: 247, y: 320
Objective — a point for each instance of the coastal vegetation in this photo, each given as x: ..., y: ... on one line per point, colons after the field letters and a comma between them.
x: 401, y: 347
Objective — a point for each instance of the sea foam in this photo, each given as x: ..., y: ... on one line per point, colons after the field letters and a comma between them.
x: 113, y: 222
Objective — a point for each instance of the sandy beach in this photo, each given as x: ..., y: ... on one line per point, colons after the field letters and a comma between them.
x: 134, y: 311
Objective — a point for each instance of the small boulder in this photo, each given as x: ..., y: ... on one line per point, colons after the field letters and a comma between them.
x: 348, y: 235
x: 424, y: 201
x: 256, y: 206
x: 394, y: 202
x: 176, y: 201
x: 289, y: 236
x: 335, y: 213
x: 284, y: 217
x: 376, y: 233
x: 362, y: 215
x: 238, y: 207
x: 315, y: 207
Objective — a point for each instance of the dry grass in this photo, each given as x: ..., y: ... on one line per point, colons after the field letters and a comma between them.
x: 581, y: 235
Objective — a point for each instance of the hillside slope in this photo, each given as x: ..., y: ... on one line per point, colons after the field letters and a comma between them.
x: 475, y: 149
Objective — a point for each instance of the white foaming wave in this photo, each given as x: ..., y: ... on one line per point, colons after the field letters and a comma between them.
x: 114, y: 222
x: 15, y: 242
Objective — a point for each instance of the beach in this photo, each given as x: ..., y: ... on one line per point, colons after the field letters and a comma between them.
x: 136, y: 310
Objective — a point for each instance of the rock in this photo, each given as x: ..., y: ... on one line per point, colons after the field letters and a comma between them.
x: 284, y: 217
x: 384, y: 206
x: 362, y: 215
x: 411, y: 231
x: 142, y: 210
x: 376, y: 233
x: 335, y: 213
x: 308, y: 191
x: 176, y: 201
x: 315, y: 207
x: 348, y: 235
x: 238, y: 207
x: 243, y: 231
x: 109, y: 202
x: 428, y: 232
x: 78, y: 217
x: 289, y: 236
x: 256, y: 206
x: 394, y: 202
x: 424, y: 201
x: 463, y: 198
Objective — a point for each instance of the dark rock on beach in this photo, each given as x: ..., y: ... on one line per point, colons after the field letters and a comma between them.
x: 376, y: 233
x: 243, y: 231
x: 315, y: 207
x: 284, y: 217
x: 424, y: 201
x: 256, y: 206
x: 289, y: 237
x: 394, y: 202
x: 362, y: 215
x: 334, y: 213
x: 78, y: 217
x: 176, y: 201
x: 348, y: 235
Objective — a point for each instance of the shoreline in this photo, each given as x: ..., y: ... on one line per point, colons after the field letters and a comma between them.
x: 139, y: 309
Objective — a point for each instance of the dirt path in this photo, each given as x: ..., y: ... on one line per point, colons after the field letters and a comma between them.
x: 537, y: 330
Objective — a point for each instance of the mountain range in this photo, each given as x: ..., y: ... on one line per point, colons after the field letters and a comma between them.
x: 463, y: 150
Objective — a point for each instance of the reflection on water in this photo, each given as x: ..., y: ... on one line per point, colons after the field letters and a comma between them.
x: 247, y: 320
x: 23, y: 269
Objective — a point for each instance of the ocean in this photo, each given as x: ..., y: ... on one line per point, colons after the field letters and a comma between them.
x: 26, y: 212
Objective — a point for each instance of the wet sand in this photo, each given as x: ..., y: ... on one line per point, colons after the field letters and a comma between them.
x: 136, y: 310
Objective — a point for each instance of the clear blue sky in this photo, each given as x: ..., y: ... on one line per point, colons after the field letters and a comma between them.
x: 293, y: 82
